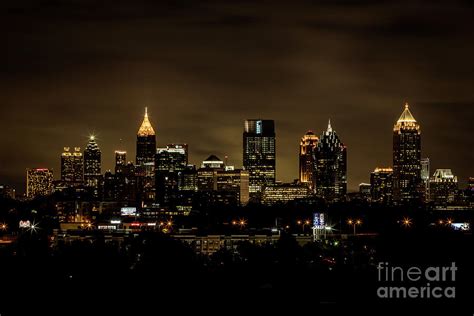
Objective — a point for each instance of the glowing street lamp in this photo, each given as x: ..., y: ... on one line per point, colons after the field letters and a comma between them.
x: 3, y: 227
x: 354, y: 223
x: 241, y: 223
x: 34, y: 228
x: 406, y: 222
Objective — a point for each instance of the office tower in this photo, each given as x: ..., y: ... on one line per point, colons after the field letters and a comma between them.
x: 39, y: 182
x: 259, y: 153
x: 120, y: 160
x: 205, y: 174
x: 145, y: 161
x: 364, y: 191
x: 109, y: 187
x: 443, y: 186
x: 92, y: 165
x: 213, y: 162
x: 189, y: 179
x: 284, y: 193
x: 381, y: 185
x: 407, y: 184
x: 185, y: 147
x: 127, y: 185
x: 425, y: 178
x: 170, y: 159
x: 7, y: 192
x: 170, y: 163
x: 308, y: 145
x: 72, y: 166
x: 331, y: 166
x: 146, y: 146
x: 232, y: 183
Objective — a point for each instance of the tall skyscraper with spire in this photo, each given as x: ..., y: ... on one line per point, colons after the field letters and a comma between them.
x: 146, y: 142
x: 331, y: 166
x: 308, y: 145
x: 259, y: 153
x: 145, y: 159
x: 407, y: 182
x: 92, y: 165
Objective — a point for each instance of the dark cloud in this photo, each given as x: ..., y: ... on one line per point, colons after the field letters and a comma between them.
x: 73, y: 67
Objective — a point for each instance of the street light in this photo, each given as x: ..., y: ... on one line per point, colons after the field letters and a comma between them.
x: 406, y: 222
x: 354, y: 223
x: 241, y: 223
x: 4, y: 227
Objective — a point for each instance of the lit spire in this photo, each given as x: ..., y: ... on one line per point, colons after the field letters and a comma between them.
x: 146, y: 129
x: 406, y: 115
x: 329, y: 130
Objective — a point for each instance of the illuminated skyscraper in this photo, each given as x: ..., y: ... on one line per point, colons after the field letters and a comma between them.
x: 259, y: 153
x: 233, y: 184
x: 92, y: 165
x: 308, y: 145
x: 170, y: 163
x: 120, y: 160
x: 180, y: 146
x: 146, y: 144
x: 207, y: 172
x: 331, y: 166
x: 145, y: 161
x: 72, y: 166
x: 39, y: 182
x: 381, y: 185
x: 443, y: 186
x: 407, y: 184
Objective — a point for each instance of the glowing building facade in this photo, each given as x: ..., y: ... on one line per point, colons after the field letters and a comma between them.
x: 443, y: 186
x: 170, y: 164
x: 120, y: 160
x: 381, y: 185
x: 284, y: 193
x: 308, y: 146
x: 92, y: 165
x: 145, y: 160
x: 39, y: 182
x: 72, y: 166
x: 235, y: 182
x: 146, y: 145
x: 407, y: 182
x: 259, y: 153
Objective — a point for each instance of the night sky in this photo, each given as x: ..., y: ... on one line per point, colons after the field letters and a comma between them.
x: 69, y: 68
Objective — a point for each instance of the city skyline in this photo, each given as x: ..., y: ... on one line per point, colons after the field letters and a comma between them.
x: 109, y: 164
x: 209, y: 66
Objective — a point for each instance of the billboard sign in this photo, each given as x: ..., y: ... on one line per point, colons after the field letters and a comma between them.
x: 128, y: 211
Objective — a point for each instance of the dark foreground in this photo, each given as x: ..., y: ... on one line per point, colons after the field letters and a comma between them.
x: 335, y: 272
